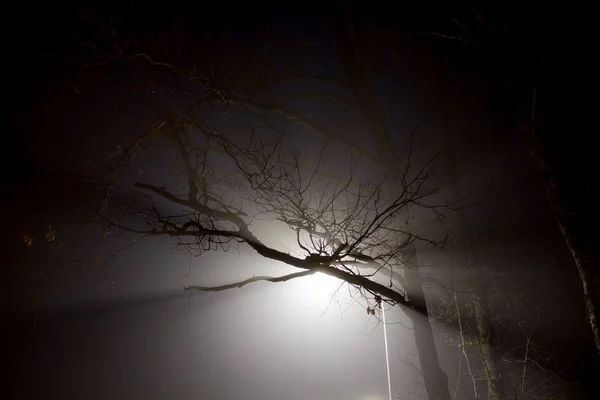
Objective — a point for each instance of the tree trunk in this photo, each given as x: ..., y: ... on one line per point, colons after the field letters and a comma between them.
x: 486, y: 332
x: 566, y: 217
x: 486, y: 337
x: 436, y: 380
x: 587, y: 267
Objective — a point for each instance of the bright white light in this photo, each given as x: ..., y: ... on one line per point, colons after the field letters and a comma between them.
x: 318, y: 283
x: 315, y: 291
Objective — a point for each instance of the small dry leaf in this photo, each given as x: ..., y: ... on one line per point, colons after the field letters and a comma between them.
x: 28, y: 240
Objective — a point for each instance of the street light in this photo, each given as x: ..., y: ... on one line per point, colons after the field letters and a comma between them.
x: 320, y: 287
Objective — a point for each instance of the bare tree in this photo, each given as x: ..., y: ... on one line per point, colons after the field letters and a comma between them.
x: 340, y: 228
x: 255, y: 92
x: 343, y: 228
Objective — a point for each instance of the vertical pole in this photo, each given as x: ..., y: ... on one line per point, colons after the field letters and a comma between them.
x: 387, y: 358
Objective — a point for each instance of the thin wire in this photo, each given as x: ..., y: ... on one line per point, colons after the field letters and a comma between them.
x: 387, y: 358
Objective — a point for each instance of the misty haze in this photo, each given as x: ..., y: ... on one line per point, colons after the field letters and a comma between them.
x: 324, y: 201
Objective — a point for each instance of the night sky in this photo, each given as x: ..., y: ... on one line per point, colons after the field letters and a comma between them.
x: 93, y: 311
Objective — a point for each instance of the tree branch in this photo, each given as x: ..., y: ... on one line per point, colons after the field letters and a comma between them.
x: 250, y: 280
